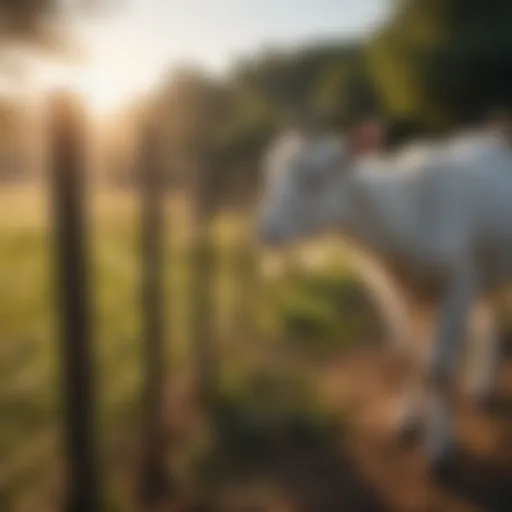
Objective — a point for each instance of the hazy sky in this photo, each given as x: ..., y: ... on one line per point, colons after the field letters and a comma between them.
x: 133, y: 46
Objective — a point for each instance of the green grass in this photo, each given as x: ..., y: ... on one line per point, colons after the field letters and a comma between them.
x: 303, y: 310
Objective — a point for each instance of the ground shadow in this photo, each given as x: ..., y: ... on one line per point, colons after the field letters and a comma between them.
x: 310, y: 474
x: 484, y: 483
x: 323, y: 478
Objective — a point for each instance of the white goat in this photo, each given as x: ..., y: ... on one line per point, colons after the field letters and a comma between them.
x: 434, y: 227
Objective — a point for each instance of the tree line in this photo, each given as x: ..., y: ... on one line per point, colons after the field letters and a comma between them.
x: 433, y: 66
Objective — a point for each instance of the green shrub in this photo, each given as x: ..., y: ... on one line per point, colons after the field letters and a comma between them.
x: 323, y: 311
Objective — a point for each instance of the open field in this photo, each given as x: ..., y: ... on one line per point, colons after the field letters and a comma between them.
x: 248, y: 310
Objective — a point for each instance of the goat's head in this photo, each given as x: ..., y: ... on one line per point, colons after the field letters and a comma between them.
x: 307, y: 183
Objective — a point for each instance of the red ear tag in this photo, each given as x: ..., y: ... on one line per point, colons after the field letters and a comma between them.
x: 367, y: 139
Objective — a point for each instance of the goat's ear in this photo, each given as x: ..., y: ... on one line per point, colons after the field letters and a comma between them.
x: 366, y: 138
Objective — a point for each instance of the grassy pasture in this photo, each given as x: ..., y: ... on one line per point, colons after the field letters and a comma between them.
x: 311, y: 314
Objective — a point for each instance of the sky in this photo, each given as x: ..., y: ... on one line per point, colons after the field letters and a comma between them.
x: 130, y: 47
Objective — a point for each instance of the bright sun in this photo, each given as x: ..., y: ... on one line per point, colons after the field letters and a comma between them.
x: 102, y: 91
x: 105, y: 84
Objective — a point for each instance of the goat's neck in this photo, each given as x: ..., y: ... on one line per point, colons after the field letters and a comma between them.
x: 374, y: 219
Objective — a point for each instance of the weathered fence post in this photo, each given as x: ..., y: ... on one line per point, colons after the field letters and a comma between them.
x: 248, y: 285
x: 153, y: 478
x: 202, y: 288
x: 68, y: 162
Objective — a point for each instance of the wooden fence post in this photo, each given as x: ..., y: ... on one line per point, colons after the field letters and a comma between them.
x: 153, y: 478
x: 68, y: 162
x: 202, y: 288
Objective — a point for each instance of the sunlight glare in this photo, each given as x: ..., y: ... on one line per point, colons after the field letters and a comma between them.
x: 103, y: 92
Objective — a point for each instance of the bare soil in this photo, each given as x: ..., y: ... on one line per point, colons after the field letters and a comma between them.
x: 368, y: 471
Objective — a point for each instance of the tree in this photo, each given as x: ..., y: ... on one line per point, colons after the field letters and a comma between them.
x: 441, y: 62
x: 343, y: 92
x: 40, y: 26
x: 37, y: 23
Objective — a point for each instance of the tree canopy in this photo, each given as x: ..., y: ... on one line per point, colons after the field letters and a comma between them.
x: 41, y: 24
x: 443, y: 62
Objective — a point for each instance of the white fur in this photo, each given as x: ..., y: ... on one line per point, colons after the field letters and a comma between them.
x: 433, y: 229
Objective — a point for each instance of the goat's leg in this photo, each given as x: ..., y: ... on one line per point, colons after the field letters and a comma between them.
x: 455, y: 307
x: 409, y: 416
x: 483, y: 354
x: 411, y: 409
x: 397, y: 313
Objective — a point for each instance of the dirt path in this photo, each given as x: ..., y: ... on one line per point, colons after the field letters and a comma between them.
x: 481, y: 479
x: 367, y: 471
